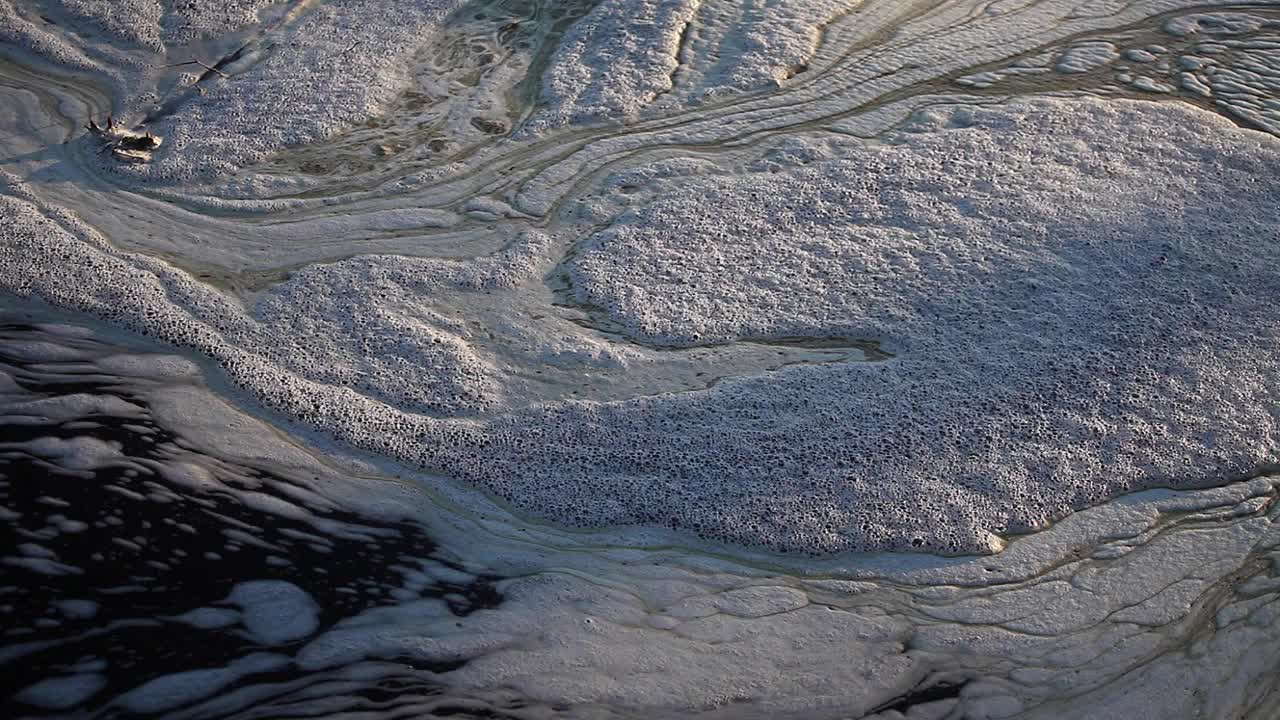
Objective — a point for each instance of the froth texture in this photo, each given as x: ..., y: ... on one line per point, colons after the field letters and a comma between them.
x: 1080, y: 302
x: 1078, y: 297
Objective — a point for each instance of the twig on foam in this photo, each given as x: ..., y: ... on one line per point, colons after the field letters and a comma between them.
x: 344, y: 51
x: 210, y: 68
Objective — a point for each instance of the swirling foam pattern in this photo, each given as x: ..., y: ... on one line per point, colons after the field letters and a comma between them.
x: 789, y: 281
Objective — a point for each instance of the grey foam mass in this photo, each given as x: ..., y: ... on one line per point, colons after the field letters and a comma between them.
x: 1081, y: 302
x: 1079, y: 297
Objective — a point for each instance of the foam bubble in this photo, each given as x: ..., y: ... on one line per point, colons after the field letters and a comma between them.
x: 1086, y: 57
x: 275, y: 611
x: 62, y: 693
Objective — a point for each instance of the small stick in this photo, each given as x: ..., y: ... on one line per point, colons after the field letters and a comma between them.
x: 345, y: 50
x: 197, y: 62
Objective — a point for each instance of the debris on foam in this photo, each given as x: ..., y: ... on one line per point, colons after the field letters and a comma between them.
x: 125, y: 145
x: 306, y: 75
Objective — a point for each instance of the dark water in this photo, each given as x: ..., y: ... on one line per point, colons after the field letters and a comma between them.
x: 141, y: 551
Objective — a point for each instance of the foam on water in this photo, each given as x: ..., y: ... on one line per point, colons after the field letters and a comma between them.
x: 1019, y: 302
x: 275, y: 611
x: 737, y: 47
x: 331, y: 68
x: 101, y: 616
x: 168, y: 692
x: 293, y: 77
x: 729, y: 325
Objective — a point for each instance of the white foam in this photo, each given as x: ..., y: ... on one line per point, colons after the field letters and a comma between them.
x: 77, y: 453
x: 1221, y: 23
x: 275, y: 611
x: 1086, y: 57
x: 298, y: 75
x: 1153, y: 86
x: 137, y: 22
x: 750, y: 46
x: 1244, y: 81
x: 64, y: 407
x: 1229, y: 58
x: 19, y: 28
x: 850, y: 239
